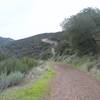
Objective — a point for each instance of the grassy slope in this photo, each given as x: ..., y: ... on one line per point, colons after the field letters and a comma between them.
x: 33, y: 92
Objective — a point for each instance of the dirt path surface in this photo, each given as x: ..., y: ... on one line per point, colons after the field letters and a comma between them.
x: 72, y: 84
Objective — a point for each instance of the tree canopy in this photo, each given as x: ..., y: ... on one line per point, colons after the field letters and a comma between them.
x: 80, y: 30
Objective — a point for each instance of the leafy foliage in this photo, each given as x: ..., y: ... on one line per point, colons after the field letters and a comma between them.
x: 13, y: 64
x: 10, y: 80
x: 64, y: 48
x: 79, y: 30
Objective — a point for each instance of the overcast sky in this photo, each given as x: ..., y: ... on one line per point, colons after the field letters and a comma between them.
x: 24, y: 18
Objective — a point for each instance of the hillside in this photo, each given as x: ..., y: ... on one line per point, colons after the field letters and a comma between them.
x: 4, y: 41
x: 32, y: 46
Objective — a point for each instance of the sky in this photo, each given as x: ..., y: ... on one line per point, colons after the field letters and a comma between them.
x: 24, y: 18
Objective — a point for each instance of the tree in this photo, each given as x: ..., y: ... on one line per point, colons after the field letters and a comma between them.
x: 79, y: 30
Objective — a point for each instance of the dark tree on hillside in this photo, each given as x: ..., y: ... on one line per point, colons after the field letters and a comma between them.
x: 80, y: 30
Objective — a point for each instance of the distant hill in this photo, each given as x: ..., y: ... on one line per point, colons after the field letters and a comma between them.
x: 4, y: 41
x: 32, y: 46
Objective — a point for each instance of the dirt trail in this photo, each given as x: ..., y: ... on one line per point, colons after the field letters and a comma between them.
x: 72, y: 84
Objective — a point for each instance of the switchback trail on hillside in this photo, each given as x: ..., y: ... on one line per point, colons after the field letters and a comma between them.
x: 72, y: 84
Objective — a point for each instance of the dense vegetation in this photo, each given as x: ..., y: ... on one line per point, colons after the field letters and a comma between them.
x: 80, y: 30
x: 13, y: 70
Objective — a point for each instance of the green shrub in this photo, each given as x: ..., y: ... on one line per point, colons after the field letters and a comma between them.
x: 30, y: 62
x: 12, y: 70
x: 10, y: 80
x: 2, y: 56
x: 13, y: 64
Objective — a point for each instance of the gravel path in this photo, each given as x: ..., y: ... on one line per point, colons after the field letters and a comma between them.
x: 72, y: 84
